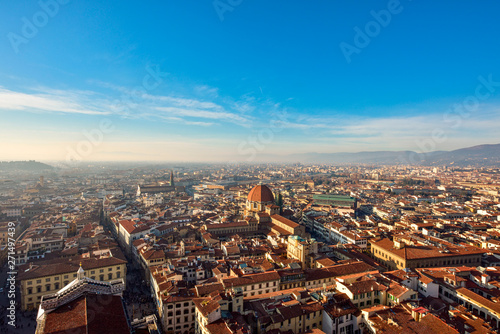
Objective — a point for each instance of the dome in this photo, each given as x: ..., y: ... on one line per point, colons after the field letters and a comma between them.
x: 260, y: 193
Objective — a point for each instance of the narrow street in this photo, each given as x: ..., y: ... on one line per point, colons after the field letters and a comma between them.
x: 137, y: 296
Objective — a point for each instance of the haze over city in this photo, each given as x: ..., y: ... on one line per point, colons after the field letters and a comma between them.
x: 246, y: 80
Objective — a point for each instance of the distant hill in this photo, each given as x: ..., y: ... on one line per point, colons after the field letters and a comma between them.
x: 24, y: 166
x: 481, y: 155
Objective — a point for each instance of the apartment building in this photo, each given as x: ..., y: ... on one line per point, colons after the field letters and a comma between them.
x: 45, y: 277
x: 398, y: 255
x: 129, y: 231
x: 253, y: 284
x: 365, y: 293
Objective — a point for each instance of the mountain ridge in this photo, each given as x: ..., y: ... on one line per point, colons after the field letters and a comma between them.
x: 481, y: 155
x: 24, y: 166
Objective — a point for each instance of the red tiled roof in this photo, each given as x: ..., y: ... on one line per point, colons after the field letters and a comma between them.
x: 425, y: 251
x: 285, y: 221
x: 260, y: 193
x: 337, y: 270
x: 205, y: 289
x: 64, y: 266
x: 88, y: 314
x: 128, y: 225
x: 218, y: 327
x: 206, y: 305
x: 250, y: 279
x: 479, y: 299
x: 226, y: 225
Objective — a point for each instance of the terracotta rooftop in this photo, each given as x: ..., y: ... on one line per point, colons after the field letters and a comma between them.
x: 250, y: 279
x: 206, y: 305
x: 260, y: 193
x: 66, y: 266
x: 205, y: 289
x: 88, y: 315
x: 480, y: 300
x: 285, y: 221
x: 424, y: 251
x: 397, y: 320
x: 227, y: 225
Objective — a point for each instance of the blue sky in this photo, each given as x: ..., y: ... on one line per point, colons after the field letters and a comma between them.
x: 232, y: 80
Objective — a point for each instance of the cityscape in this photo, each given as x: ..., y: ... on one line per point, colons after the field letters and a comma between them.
x: 249, y: 167
x: 248, y: 248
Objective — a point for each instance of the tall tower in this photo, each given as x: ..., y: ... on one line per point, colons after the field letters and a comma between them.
x: 172, y: 178
x: 279, y: 201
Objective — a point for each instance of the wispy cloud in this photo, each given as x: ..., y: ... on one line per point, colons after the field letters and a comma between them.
x: 207, y: 90
x: 198, y: 113
x: 437, y: 129
x: 206, y: 104
x: 51, y: 101
x: 130, y: 104
x: 182, y: 102
x: 305, y: 131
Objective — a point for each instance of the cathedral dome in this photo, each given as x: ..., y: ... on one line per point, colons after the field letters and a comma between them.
x: 261, y: 193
